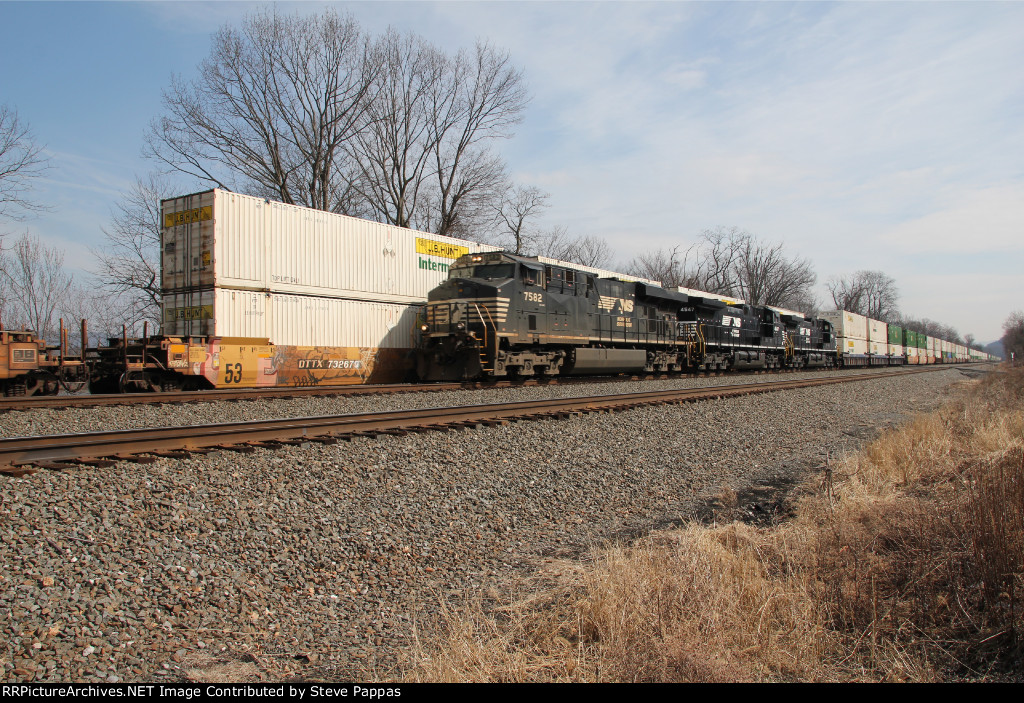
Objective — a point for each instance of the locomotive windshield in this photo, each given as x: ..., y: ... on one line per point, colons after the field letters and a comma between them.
x: 489, y: 271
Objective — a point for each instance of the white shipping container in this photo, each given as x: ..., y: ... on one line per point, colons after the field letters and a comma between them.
x: 218, y: 239
x: 878, y: 331
x: 846, y: 345
x: 895, y: 350
x: 878, y: 348
x: 912, y: 352
x: 295, y: 320
x: 847, y: 324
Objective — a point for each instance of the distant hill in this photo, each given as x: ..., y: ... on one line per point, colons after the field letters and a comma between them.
x: 996, y: 348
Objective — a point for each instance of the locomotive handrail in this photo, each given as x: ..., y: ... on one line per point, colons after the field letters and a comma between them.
x: 491, y: 320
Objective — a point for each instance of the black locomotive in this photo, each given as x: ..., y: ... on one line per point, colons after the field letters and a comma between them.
x: 501, y: 315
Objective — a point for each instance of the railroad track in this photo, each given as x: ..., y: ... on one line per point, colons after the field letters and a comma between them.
x: 208, y: 396
x: 21, y: 455
x: 179, y: 397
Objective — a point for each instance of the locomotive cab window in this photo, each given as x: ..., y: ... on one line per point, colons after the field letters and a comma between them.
x: 463, y: 271
x: 493, y: 271
x: 532, y: 277
x: 554, y: 279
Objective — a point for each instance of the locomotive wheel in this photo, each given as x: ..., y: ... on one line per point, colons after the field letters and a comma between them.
x: 170, y: 385
x: 15, y: 389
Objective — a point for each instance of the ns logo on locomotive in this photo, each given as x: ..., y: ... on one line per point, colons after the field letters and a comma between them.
x: 502, y: 315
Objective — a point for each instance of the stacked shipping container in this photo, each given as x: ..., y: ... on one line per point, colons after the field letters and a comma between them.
x: 851, y: 332
x: 338, y: 296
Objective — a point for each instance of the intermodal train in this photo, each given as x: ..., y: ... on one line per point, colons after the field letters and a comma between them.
x: 499, y: 315
x: 257, y: 294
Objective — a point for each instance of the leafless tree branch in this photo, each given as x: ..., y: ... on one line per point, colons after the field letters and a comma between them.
x: 21, y: 162
x: 128, y: 266
x: 272, y: 111
x: 36, y: 284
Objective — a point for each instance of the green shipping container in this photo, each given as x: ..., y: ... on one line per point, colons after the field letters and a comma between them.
x: 895, y: 334
x: 910, y: 338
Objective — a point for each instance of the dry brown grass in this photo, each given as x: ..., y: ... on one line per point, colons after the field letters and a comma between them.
x: 904, y: 564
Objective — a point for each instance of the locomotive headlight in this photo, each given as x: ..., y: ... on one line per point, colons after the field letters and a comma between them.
x: 424, y: 327
x: 460, y: 325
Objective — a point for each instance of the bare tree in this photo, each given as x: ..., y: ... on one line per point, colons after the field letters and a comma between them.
x: 869, y: 293
x: 586, y: 250
x: 482, y: 97
x: 37, y: 283
x: 423, y: 148
x: 517, y: 208
x: 307, y: 110
x: 666, y: 265
x: 129, y: 263
x: 21, y: 162
x: 108, y: 313
x: 766, y: 276
x: 1013, y: 337
x: 930, y: 328
x: 730, y: 261
x: 272, y: 110
x: 717, y: 260
x: 5, y: 289
x: 392, y: 145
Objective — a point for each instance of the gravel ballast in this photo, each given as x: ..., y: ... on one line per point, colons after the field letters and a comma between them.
x: 82, y: 419
x: 317, y: 560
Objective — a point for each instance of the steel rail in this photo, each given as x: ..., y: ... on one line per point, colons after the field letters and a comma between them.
x: 176, y: 397
x: 232, y: 394
x: 121, y: 444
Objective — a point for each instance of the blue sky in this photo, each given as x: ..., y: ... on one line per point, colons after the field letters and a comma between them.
x: 862, y: 135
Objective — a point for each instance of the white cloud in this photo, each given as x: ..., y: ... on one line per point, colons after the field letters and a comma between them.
x: 986, y: 220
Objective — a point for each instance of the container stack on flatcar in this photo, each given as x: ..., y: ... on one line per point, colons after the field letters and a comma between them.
x: 259, y: 293
x: 897, y: 352
x: 852, y: 336
x: 910, y: 346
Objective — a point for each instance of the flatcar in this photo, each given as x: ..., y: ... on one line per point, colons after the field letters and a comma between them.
x: 28, y: 366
